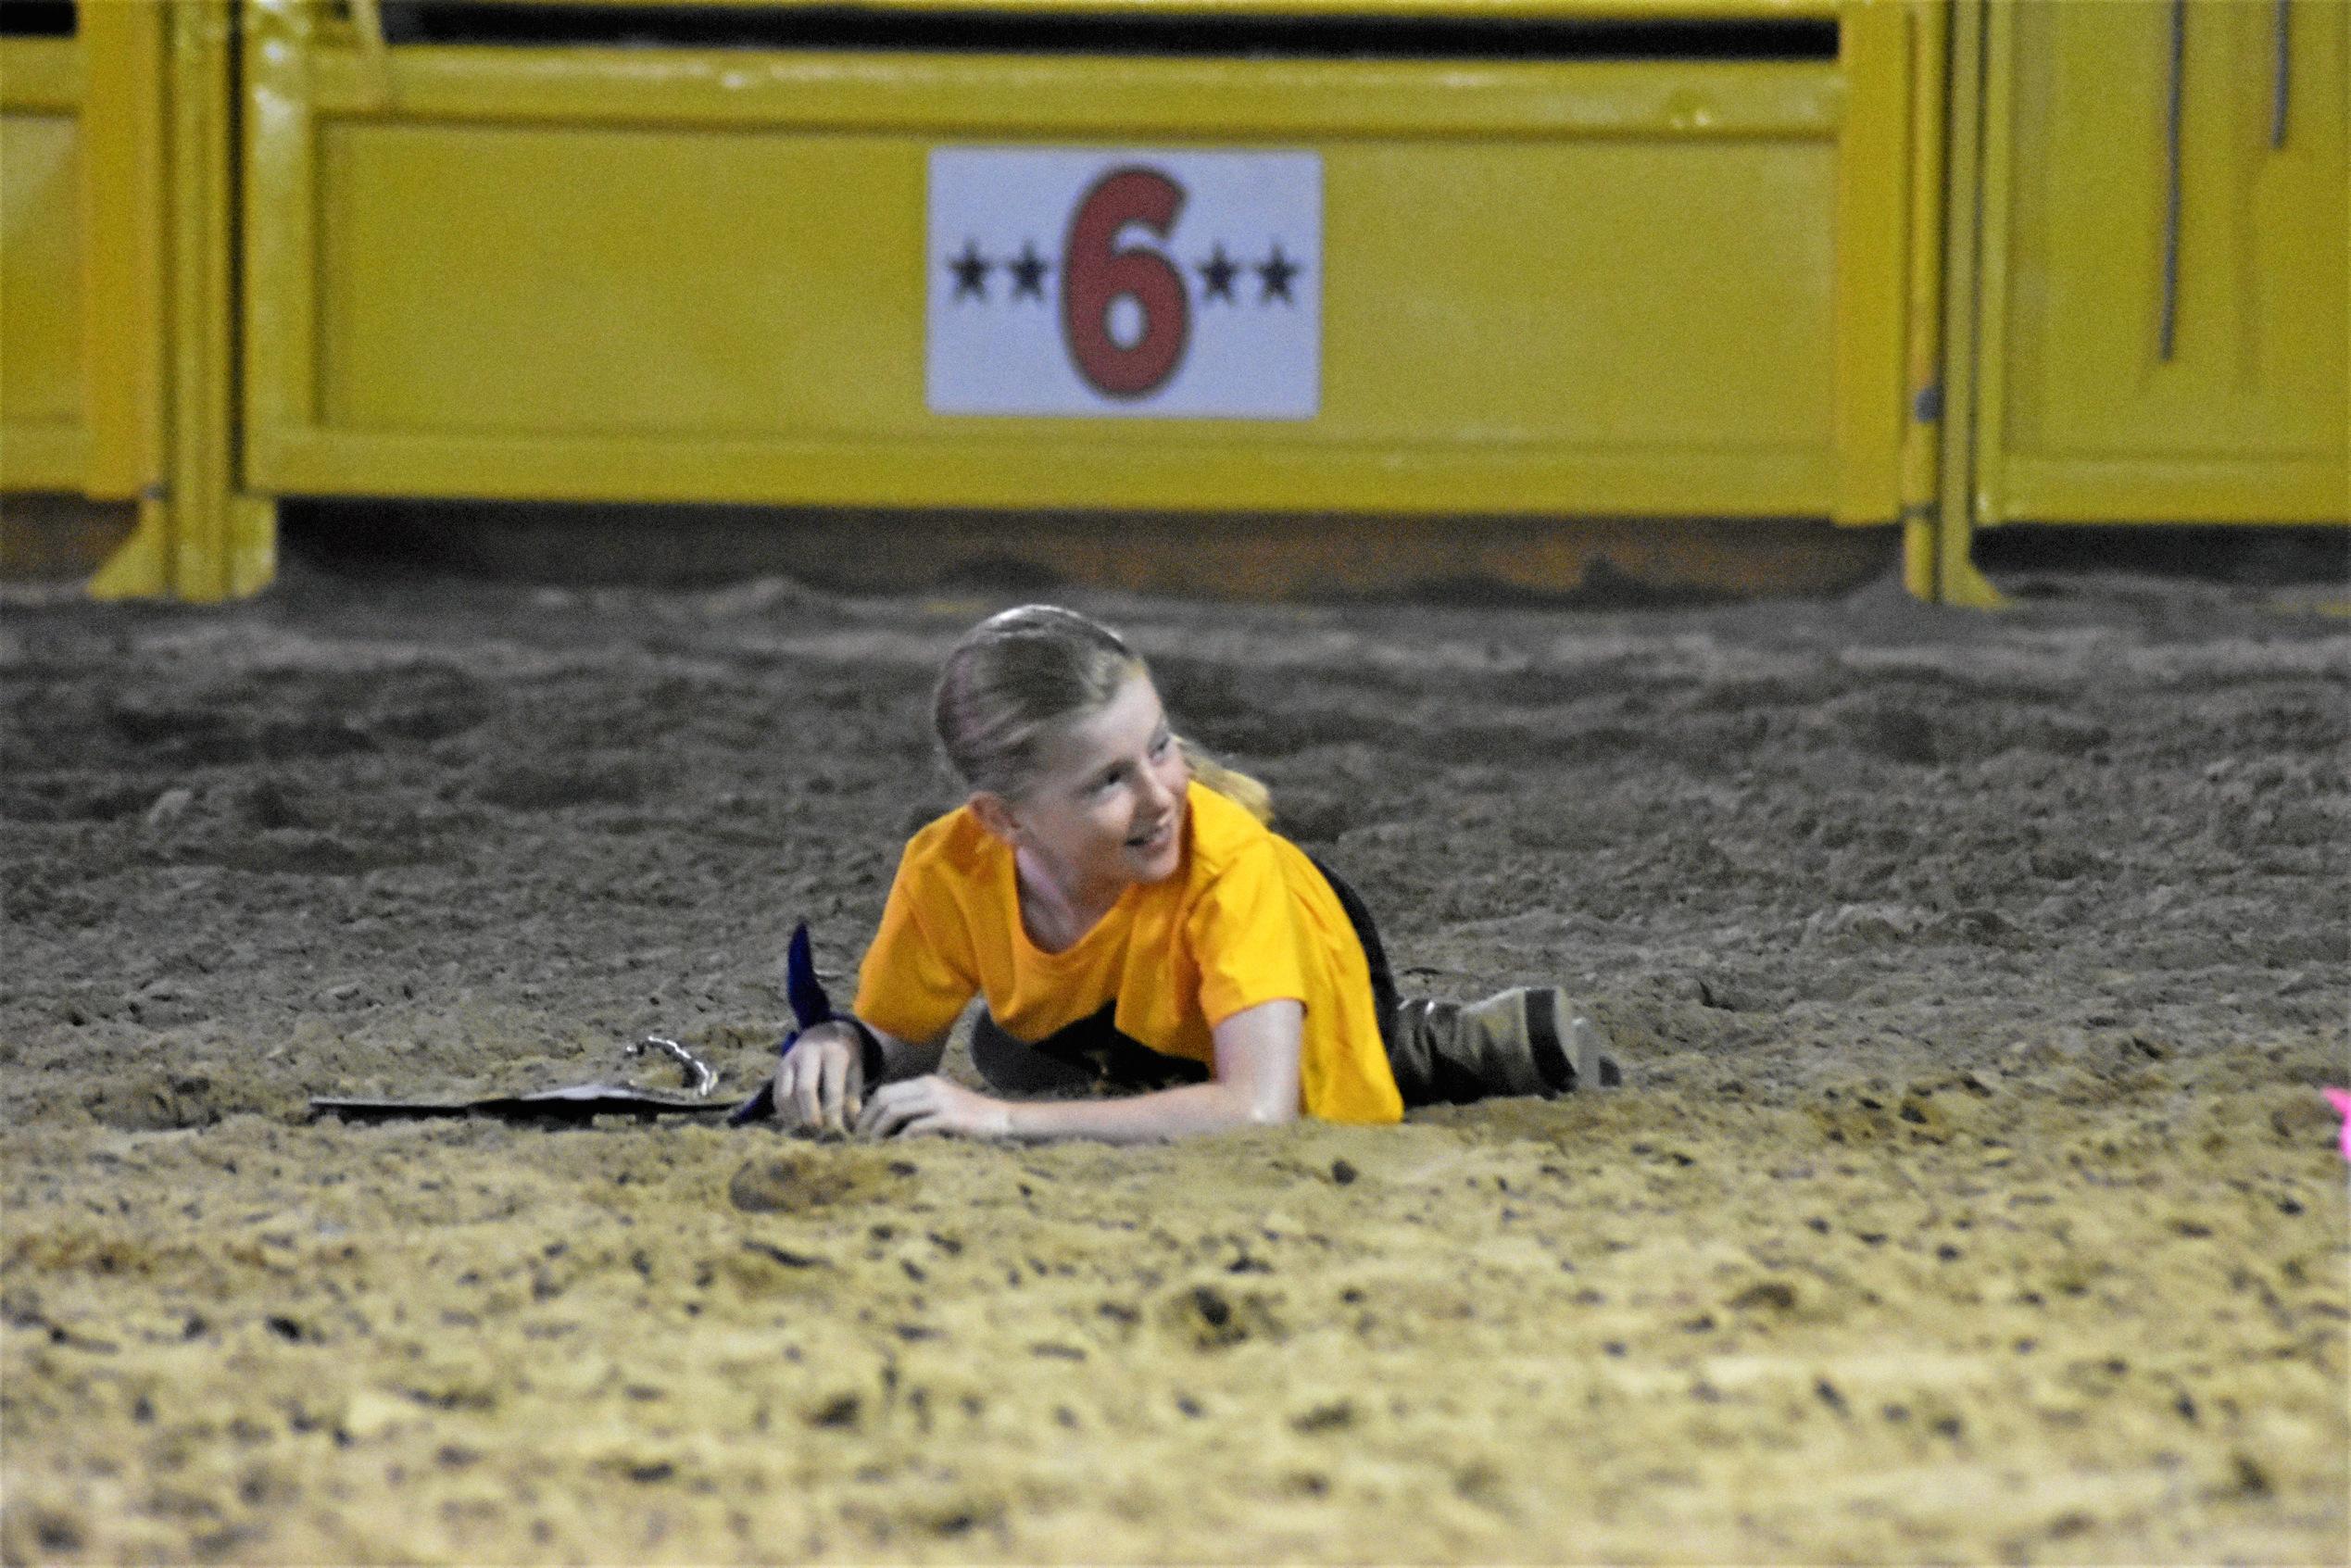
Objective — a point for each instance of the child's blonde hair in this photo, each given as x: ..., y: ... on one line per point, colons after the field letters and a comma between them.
x: 1018, y: 679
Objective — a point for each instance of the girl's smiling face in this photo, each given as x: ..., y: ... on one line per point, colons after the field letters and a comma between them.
x: 1107, y: 808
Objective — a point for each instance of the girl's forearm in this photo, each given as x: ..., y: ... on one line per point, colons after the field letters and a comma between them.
x: 1163, y: 1113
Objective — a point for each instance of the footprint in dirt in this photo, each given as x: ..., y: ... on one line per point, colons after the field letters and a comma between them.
x: 801, y: 1181
x: 1901, y: 735
x: 1208, y: 1319
x: 201, y: 736
x: 157, y: 1100
x: 527, y: 787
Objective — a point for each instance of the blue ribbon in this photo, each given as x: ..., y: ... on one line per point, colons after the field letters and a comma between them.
x: 810, y: 1007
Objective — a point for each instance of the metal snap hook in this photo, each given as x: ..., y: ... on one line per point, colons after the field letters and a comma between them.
x: 700, y: 1079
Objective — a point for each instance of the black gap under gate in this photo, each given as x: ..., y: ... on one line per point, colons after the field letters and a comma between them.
x: 1254, y: 36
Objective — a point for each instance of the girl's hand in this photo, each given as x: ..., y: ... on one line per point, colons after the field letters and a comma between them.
x: 932, y: 1105
x: 820, y: 1084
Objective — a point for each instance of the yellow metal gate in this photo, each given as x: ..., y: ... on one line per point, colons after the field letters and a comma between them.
x: 1662, y: 285
x: 117, y: 320
x: 1707, y: 267
x: 2149, y: 264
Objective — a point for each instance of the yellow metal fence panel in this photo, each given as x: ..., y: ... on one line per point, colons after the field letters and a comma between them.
x: 2168, y: 319
x: 169, y: 323
x: 1550, y: 285
x: 123, y: 319
x: 44, y: 440
x: 576, y: 283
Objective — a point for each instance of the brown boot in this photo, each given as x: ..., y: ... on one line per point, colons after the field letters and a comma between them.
x: 1524, y: 1041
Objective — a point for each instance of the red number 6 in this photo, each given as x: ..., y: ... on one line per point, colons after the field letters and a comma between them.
x: 1094, y: 276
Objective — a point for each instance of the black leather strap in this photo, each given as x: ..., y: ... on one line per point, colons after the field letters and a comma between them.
x: 870, y: 1057
x: 1385, y: 997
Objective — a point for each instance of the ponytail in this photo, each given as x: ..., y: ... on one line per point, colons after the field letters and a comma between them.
x: 1235, y: 786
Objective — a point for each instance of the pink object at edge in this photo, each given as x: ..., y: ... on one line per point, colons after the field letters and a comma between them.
x: 2341, y: 1101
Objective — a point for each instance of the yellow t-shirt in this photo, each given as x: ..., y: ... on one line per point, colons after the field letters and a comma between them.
x: 1246, y: 919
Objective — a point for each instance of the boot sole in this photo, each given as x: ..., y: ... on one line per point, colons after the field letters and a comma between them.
x: 1589, y: 1057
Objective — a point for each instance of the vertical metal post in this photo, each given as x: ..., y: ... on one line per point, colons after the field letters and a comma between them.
x: 2167, y: 329
x: 1957, y: 581
x: 375, y: 60
x: 199, y: 536
x: 1930, y: 90
x: 122, y: 207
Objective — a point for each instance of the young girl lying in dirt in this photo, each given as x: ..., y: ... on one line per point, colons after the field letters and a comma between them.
x: 1138, y: 931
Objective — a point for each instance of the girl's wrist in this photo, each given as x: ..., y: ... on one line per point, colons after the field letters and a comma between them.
x: 872, y: 1060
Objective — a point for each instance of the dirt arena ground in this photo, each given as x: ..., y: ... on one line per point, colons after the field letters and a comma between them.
x: 1972, y: 1198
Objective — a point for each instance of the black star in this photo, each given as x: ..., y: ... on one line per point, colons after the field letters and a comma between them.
x: 1218, y: 272
x: 1028, y: 270
x: 1277, y: 271
x: 971, y: 270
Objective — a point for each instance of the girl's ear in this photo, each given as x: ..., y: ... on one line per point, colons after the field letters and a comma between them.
x: 994, y: 815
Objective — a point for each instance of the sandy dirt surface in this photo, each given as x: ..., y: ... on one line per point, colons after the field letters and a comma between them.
x: 1972, y: 1198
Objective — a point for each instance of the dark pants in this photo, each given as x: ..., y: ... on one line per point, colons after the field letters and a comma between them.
x: 1093, y: 1057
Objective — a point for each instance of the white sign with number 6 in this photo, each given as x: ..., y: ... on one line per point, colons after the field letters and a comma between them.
x: 1122, y: 282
